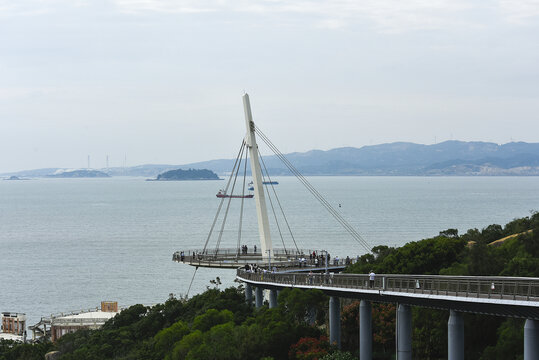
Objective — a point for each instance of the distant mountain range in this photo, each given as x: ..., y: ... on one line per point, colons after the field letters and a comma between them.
x: 399, y: 158
x: 403, y: 158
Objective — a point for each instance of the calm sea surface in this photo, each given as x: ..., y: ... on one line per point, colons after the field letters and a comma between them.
x: 67, y: 244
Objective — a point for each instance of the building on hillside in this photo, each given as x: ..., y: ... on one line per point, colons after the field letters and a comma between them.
x: 13, y: 326
x: 65, y: 324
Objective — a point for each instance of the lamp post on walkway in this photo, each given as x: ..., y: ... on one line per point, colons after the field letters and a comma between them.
x: 325, y: 260
x: 269, y: 259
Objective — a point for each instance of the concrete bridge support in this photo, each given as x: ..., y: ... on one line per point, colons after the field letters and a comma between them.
x: 335, y: 321
x: 365, y: 330
x: 259, y: 297
x: 311, y: 317
x: 404, y: 332
x: 531, y: 339
x: 248, y: 293
x: 272, y: 298
x: 455, y: 336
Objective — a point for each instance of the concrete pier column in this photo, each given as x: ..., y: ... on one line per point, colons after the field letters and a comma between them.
x: 312, y: 316
x: 248, y: 293
x: 531, y: 339
x: 365, y: 330
x: 335, y: 321
x: 272, y: 298
x: 404, y: 332
x: 455, y: 336
x: 259, y: 297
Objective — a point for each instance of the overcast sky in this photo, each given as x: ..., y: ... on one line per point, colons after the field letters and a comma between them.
x: 161, y: 81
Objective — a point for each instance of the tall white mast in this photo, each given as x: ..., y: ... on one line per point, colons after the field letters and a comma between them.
x: 260, y: 199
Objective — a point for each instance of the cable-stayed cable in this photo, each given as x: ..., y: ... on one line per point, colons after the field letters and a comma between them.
x: 222, y: 199
x: 229, y: 200
x: 314, y: 192
x: 279, y: 203
x: 273, y: 209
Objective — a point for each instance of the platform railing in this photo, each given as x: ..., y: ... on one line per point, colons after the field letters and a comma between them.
x: 486, y: 287
x: 232, y: 252
x: 283, y: 257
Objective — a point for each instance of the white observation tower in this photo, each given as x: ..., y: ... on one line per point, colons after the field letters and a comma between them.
x: 260, y: 199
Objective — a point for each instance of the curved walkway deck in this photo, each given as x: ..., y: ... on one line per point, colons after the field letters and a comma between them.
x: 501, y: 296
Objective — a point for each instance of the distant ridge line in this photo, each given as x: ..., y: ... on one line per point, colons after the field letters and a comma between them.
x: 448, y: 158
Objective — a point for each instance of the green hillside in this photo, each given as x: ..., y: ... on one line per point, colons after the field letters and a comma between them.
x: 217, y: 324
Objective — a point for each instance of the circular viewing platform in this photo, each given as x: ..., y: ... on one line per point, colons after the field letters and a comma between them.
x: 282, y: 259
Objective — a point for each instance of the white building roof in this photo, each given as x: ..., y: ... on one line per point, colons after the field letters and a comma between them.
x: 97, y: 315
x: 92, y: 319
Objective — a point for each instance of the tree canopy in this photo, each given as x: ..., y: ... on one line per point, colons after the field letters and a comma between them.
x: 218, y: 324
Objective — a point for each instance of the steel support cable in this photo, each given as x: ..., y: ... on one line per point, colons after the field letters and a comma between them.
x: 191, y: 283
x: 324, y: 202
x: 329, y: 208
x: 222, y: 199
x: 279, y: 203
x: 229, y: 202
x: 273, y: 210
x: 314, y: 192
x: 238, y: 158
x: 241, y: 209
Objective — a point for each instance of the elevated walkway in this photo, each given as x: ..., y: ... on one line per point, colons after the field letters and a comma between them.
x: 492, y: 295
x: 500, y: 296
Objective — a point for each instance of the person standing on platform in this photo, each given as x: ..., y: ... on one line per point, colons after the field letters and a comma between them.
x: 371, y: 278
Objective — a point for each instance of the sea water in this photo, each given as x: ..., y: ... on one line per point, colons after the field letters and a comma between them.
x: 67, y: 244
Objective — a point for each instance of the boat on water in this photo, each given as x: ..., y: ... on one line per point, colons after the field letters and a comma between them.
x: 251, y: 186
x: 223, y: 194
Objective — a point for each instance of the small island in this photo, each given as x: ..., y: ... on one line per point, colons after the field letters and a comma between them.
x: 191, y: 174
x: 14, y: 178
x: 82, y: 173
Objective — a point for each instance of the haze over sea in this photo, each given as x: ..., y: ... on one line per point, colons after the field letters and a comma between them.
x: 68, y: 244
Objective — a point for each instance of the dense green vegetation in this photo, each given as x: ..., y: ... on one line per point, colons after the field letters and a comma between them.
x: 469, y: 254
x: 191, y: 174
x: 217, y: 324
x: 83, y: 173
x: 15, y: 351
x: 214, y: 325
x: 473, y: 253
